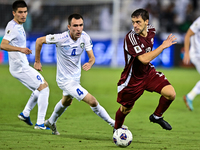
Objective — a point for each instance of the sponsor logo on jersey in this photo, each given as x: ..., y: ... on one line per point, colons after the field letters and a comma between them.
x: 82, y: 45
x: 137, y: 49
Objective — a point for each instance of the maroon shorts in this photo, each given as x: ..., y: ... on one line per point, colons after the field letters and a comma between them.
x: 154, y: 82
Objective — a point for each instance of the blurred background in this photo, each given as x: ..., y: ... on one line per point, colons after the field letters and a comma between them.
x: 107, y: 22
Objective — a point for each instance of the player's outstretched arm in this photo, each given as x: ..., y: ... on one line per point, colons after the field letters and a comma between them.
x: 38, y: 46
x: 169, y: 41
x: 147, y: 57
x: 91, y: 61
x: 7, y: 47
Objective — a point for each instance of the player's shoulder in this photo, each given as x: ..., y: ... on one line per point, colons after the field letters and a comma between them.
x: 63, y: 36
x: 151, y: 28
x: 11, y: 24
x: 132, y: 37
x: 85, y: 35
x: 197, y: 21
x: 198, y: 18
x: 131, y: 34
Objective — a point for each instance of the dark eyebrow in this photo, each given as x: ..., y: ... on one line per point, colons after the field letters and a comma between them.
x: 22, y: 11
x: 78, y: 24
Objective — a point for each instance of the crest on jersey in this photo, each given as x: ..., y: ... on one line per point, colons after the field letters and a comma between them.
x: 137, y: 49
x: 82, y: 45
x: 8, y: 31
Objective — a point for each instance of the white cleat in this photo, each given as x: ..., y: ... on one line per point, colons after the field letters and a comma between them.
x: 52, y: 127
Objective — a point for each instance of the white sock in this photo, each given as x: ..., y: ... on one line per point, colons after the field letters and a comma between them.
x: 58, y: 111
x: 194, y: 92
x: 156, y: 117
x: 101, y: 112
x: 42, y: 105
x: 31, y: 103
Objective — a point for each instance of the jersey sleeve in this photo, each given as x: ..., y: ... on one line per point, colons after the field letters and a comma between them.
x: 195, y: 25
x: 132, y: 46
x: 88, y: 42
x: 55, y: 38
x: 10, y: 34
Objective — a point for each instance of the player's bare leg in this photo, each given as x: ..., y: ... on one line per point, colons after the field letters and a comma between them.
x: 98, y: 109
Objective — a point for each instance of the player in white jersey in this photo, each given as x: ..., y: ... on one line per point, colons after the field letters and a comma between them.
x: 192, y: 53
x: 14, y: 41
x: 69, y: 46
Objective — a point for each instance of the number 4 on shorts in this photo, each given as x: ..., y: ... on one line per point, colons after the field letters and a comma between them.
x: 79, y: 91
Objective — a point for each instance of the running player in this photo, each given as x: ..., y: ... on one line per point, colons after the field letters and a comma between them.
x: 139, y: 74
x: 192, y: 53
x: 70, y: 45
x: 14, y: 41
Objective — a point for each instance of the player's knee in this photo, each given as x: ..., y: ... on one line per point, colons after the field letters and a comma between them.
x: 172, y: 96
x: 126, y: 110
x: 93, y: 102
x: 66, y: 101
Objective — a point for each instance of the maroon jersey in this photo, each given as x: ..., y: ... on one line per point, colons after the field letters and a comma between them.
x: 135, y: 45
x: 137, y: 77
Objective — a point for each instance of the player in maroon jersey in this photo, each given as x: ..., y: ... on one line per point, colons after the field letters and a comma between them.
x: 139, y: 74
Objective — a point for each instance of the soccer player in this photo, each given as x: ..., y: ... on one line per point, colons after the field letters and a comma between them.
x: 70, y: 45
x: 14, y: 41
x: 192, y: 53
x: 139, y: 74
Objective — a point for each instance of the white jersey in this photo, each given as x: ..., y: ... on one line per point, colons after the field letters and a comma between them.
x: 69, y: 55
x: 16, y: 36
x: 195, y: 39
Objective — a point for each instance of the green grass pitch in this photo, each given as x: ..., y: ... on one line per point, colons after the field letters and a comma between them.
x: 81, y: 129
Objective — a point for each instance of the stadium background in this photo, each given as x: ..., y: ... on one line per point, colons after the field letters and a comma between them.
x: 107, y: 22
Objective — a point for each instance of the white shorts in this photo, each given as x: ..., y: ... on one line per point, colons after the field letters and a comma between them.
x: 195, y: 59
x: 74, y: 89
x: 28, y: 76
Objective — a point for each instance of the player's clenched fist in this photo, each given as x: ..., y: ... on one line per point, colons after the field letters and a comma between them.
x: 26, y: 50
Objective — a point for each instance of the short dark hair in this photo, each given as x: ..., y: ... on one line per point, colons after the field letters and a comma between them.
x: 76, y: 16
x: 141, y: 12
x: 17, y: 4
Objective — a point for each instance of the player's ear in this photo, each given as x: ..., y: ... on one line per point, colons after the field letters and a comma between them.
x: 147, y: 22
x: 13, y: 12
x: 68, y: 27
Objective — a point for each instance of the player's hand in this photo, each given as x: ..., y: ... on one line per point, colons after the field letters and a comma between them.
x: 26, y: 50
x: 186, y: 58
x: 38, y: 66
x: 86, y: 66
x: 169, y: 41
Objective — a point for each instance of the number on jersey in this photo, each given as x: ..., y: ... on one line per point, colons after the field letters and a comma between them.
x: 73, y: 52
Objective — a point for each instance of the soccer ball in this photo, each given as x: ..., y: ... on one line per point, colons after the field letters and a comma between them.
x: 122, y: 137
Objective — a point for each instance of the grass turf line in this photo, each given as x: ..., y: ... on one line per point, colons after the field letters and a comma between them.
x: 81, y: 129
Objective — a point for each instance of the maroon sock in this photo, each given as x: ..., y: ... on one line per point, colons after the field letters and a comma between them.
x: 119, y: 119
x: 162, y: 106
